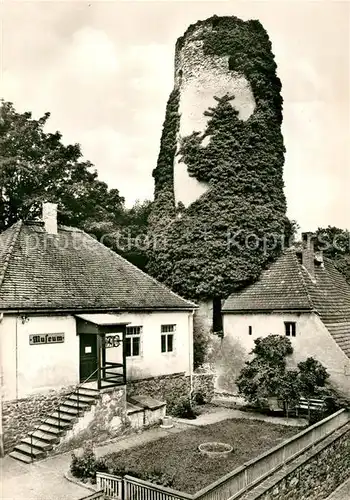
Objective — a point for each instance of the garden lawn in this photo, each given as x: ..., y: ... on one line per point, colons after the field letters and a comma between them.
x: 176, y: 457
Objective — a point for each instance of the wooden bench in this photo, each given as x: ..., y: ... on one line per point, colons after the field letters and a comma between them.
x: 310, y: 405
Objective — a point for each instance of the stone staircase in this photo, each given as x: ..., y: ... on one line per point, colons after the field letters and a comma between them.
x: 49, y: 432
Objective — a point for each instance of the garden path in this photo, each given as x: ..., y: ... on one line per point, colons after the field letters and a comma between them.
x: 216, y: 414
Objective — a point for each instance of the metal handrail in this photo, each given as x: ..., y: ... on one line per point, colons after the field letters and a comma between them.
x: 75, y: 390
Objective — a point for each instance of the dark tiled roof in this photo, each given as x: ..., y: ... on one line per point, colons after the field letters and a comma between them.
x: 279, y: 287
x: 286, y: 285
x: 330, y: 295
x: 71, y: 270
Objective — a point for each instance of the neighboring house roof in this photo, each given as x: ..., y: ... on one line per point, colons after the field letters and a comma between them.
x: 330, y: 296
x: 71, y: 270
x: 287, y: 286
x: 279, y: 287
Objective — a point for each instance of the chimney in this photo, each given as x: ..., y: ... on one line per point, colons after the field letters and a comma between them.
x: 50, y: 217
x: 319, y: 258
x: 308, y: 253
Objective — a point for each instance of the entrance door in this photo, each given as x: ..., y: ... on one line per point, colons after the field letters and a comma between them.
x: 88, y: 356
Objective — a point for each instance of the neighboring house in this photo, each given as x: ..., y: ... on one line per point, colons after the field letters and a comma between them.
x: 303, y: 297
x: 69, y: 306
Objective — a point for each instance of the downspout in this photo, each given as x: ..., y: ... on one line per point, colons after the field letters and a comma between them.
x: 16, y: 358
x: 1, y: 394
x: 190, y: 351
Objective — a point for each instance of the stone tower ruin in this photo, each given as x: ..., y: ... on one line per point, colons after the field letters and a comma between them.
x: 220, y: 166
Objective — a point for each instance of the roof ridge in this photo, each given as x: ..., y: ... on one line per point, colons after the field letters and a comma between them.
x: 9, y: 251
x: 140, y: 270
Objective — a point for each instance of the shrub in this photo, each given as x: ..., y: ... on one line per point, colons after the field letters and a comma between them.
x: 184, y: 409
x: 199, y: 398
x: 158, y: 476
x: 316, y: 416
x: 85, y: 466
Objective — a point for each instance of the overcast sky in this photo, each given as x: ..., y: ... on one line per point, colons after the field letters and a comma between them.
x: 105, y: 69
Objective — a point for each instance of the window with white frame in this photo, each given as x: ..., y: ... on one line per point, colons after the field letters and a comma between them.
x: 133, y: 341
x: 167, y: 338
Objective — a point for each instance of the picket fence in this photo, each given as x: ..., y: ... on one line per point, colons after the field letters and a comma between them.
x: 234, y: 483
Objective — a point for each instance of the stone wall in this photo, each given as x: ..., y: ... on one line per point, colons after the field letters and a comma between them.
x: 168, y: 388
x: 313, y: 476
x: 171, y: 388
x: 22, y: 415
x: 104, y: 420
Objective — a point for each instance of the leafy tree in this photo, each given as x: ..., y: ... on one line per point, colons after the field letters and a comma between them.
x: 266, y: 375
x: 335, y: 244
x: 312, y: 376
x: 288, y: 389
x: 128, y: 235
x: 35, y: 166
x: 257, y: 382
x: 273, y: 350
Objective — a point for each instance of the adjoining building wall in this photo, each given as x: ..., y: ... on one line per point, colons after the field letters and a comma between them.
x: 312, y: 340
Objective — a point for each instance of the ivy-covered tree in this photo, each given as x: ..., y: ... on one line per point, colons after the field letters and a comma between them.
x: 35, y: 166
x: 226, y: 237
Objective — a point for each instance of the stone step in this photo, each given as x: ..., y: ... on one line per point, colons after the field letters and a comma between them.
x: 20, y: 456
x: 87, y: 391
x: 53, y: 422
x: 51, y: 430
x: 45, y: 436
x: 82, y: 398
x: 69, y: 410
x: 38, y: 444
x: 82, y: 407
x: 29, y: 450
x: 132, y: 408
x: 61, y: 416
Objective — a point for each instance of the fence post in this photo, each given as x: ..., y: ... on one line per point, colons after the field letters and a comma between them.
x: 123, y: 488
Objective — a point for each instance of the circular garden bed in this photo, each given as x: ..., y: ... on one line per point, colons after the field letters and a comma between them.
x: 215, y: 449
